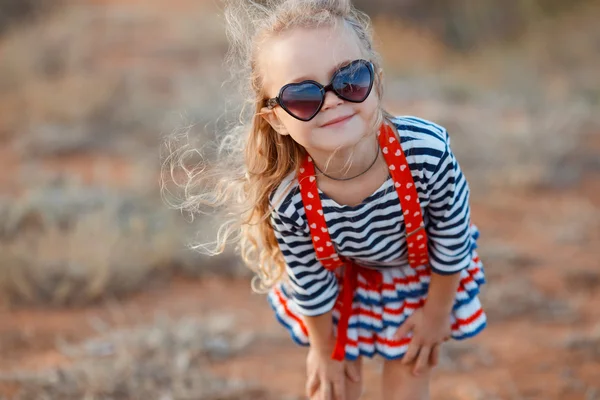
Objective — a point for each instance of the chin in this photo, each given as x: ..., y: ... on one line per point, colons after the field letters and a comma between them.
x: 332, y: 139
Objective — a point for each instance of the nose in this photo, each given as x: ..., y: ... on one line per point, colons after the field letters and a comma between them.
x: 331, y: 100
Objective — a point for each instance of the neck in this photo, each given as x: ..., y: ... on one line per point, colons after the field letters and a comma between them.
x: 348, y: 162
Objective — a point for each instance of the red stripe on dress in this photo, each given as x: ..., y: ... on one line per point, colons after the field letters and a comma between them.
x: 466, y: 321
x: 360, y: 311
x: 383, y: 341
x: 369, y: 313
x: 283, y: 302
x: 463, y: 282
x: 407, y: 304
x: 391, y: 286
x: 403, y: 281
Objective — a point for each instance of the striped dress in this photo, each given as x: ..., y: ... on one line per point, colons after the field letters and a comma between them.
x: 373, y: 235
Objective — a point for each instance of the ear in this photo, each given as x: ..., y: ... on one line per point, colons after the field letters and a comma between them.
x: 271, y: 117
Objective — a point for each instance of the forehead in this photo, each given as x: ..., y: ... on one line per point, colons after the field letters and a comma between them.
x: 306, y: 53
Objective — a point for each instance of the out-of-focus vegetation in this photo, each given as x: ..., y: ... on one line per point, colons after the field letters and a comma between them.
x: 13, y: 12
x: 465, y: 24
x: 88, y: 89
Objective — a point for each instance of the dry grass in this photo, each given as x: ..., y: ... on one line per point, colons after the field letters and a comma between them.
x: 84, y: 246
x: 109, y: 75
x: 520, y: 299
x: 166, y: 360
x: 42, y: 75
x: 585, y: 347
x: 72, y: 245
x: 465, y: 25
x: 13, y: 12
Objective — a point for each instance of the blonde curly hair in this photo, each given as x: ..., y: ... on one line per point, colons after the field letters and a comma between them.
x: 252, y: 158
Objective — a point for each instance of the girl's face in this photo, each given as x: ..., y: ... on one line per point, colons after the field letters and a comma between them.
x: 315, y: 54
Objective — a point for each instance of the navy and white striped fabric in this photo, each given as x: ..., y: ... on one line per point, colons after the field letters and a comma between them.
x: 373, y: 232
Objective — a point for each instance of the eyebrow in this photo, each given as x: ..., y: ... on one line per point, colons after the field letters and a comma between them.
x: 335, y: 68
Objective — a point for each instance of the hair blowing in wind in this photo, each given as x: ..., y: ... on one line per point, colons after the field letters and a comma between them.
x: 251, y: 159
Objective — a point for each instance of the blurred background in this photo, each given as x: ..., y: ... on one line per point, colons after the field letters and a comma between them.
x: 101, y: 299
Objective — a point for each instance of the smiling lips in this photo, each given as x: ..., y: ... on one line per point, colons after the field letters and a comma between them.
x: 338, y: 120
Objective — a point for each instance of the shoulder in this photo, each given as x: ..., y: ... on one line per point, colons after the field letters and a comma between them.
x: 419, y: 133
x: 425, y: 144
x: 285, y: 200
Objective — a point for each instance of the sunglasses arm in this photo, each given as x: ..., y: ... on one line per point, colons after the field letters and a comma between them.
x: 272, y: 103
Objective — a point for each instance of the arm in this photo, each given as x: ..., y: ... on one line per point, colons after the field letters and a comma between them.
x: 441, y: 295
x: 320, y: 329
x: 449, y: 216
x: 314, y: 287
x: 314, y: 290
x: 450, y: 251
x: 450, y: 240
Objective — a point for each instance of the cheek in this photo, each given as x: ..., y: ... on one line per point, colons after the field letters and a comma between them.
x: 368, y: 107
x: 299, y: 130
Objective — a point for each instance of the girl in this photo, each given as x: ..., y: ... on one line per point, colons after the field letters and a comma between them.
x: 356, y: 222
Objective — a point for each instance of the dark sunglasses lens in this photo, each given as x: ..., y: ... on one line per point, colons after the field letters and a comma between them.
x: 302, y: 100
x: 353, y: 82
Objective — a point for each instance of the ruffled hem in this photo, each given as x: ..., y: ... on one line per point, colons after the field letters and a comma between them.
x: 378, y: 311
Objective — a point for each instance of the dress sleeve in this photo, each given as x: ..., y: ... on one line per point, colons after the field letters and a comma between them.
x: 314, y: 288
x: 450, y: 240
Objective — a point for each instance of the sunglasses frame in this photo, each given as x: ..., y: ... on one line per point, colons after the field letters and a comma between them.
x: 276, y: 101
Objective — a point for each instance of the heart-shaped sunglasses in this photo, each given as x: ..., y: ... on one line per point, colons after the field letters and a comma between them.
x: 353, y: 82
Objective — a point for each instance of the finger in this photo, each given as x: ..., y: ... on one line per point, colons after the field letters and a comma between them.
x: 352, y: 372
x: 326, y: 391
x: 404, y: 329
x: 434, y: 358
x: 312, y: 385
x: 339, y: 389
x: 422, y: 360
x: 412, y: 352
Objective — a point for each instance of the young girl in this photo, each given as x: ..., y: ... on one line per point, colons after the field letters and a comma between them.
x: 356, y: 222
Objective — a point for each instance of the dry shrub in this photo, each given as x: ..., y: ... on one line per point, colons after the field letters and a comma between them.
x: 166, y: 360
x: 13, y: 12
x: 81, y: 249
x: 584, y: 347
x: 464, y: 24
x: 508, y: 300
x: 73, y: 245
x: 45, y: 77
x: 114, y: 70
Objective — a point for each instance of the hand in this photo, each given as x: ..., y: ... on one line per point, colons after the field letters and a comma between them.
x: 430, y: 330
x: 328, y: 376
